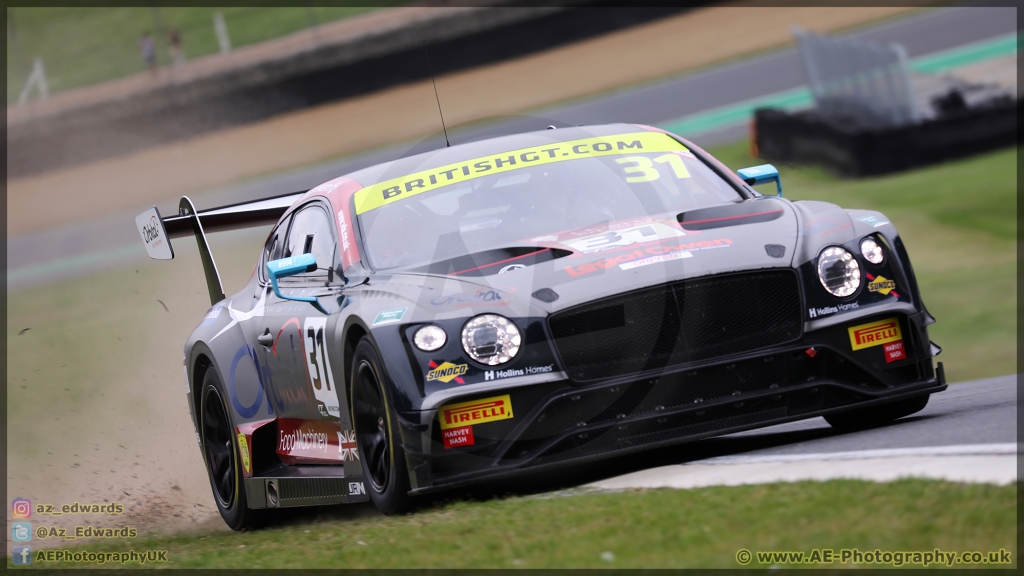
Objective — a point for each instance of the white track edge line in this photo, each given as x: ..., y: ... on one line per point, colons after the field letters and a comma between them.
x: 1008, y: 448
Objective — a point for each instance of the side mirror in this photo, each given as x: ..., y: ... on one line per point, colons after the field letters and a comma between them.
x: 762, y: 174
x: 289, y: 267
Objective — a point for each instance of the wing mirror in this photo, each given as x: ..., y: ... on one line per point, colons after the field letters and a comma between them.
x: 762, y: 174
x: 290, y: 267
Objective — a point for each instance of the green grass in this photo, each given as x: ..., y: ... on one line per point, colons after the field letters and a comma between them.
x: 650, y: 529
x: 958, y: 221
x: 82, y: 46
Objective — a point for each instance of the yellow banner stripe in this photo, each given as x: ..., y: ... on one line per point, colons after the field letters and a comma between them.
x: 402, y: 187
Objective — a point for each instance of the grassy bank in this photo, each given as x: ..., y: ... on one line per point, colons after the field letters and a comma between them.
x: 658, y: 528
x: 959, y: 223
x: 81, y: 46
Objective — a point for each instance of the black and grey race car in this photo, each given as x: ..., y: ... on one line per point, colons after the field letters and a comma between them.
x: 533, y: 301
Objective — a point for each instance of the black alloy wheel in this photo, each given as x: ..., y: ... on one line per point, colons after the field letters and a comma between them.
x: 380, y: 450
x: 223, y: 462
x: 217, y: 446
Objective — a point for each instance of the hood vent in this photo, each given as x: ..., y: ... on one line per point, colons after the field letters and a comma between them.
x: 748, y: 212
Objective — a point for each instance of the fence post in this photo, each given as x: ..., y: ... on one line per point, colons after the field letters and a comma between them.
x: 38, y: 79
x: 222, y: 33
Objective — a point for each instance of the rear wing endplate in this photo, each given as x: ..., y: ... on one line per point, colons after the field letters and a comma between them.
x: 157, y: 232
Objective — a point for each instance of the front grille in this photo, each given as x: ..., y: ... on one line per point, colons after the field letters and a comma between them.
x: 672, y: 324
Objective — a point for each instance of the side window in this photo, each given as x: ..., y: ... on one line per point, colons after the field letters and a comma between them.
x: 272, y: 249
x: 311, y: 233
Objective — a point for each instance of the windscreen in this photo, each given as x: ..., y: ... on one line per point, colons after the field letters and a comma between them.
x: 528, y: 197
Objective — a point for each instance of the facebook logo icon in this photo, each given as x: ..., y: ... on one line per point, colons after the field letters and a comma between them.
x: 21, y: 555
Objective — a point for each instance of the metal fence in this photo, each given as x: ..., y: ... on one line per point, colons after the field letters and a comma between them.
x: 858, y: 81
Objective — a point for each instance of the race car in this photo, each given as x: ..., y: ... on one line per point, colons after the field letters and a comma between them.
x: 533, y: 301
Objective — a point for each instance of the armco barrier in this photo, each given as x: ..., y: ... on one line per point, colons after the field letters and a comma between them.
x: 806, y: 137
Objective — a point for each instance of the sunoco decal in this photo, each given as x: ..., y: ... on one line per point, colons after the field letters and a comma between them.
x: 882, y: 285
x: 476, y: 412
x: 875, y: 333
x: 396, y: 189
x: 446, y: 372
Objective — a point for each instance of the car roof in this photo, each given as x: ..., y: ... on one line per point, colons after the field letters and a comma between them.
x: 463, y: 152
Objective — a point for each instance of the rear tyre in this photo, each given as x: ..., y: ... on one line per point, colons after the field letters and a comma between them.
x: 380, y: 447
x: 876, y: 415
x: 223, y: 463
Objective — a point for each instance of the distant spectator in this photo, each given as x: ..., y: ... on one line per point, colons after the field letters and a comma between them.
x: 174, y: 39
x: 148, y: 51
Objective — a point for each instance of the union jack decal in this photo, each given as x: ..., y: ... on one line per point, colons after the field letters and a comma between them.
x: 347, y: 447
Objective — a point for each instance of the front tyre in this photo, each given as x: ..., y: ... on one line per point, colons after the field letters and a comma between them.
x: 222, y: 458
x: 380, y: 448
x: 872, y: 416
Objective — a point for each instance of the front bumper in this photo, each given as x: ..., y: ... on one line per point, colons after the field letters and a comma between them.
x: 562, y: 422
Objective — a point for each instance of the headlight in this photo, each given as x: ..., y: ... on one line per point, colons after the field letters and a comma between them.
x: 491, y: 339
x: 429, y: 338
x: 838, y: 271
x: 871, y: 250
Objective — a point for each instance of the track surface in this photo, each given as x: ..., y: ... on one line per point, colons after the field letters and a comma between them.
x: 981, y: 412
x: 112, y: 241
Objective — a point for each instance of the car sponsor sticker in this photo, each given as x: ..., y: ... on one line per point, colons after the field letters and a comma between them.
x: 618, y: 238
x: 894, y: 351
x: 476, y: 412
x: 302, y: 440
x: 655, y: 260
x: 211, y: 317
x: 830, y: 310
x: 446, y: 372
x: 396, y: 189
x: 348, y: 449
x: 882, y: 285
x: 243, y: 447
x: 644, y: 253
x: 481, y: 297
x: 388, y: 316
x: 514, y: 372
x: 873, y: 221
x: 356, y: 489
x: 461, y: 436
x: 875, y: 333
x: 154, y: 235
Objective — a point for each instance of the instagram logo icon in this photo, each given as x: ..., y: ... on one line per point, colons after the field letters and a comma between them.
x: 21, y: 508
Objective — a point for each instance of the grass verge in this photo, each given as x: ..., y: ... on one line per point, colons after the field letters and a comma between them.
x: 650, y: 529
x: 81, y: 46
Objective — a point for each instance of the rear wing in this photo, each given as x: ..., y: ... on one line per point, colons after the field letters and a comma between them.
x: 157, y: 232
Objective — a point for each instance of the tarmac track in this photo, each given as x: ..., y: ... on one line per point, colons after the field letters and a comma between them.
x: 967, y: 433
x: 87, y: 246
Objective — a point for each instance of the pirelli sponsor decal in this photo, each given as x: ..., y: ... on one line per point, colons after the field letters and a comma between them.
x: 875, y: 333
x: 396, y: 189
x: 476, y: 412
